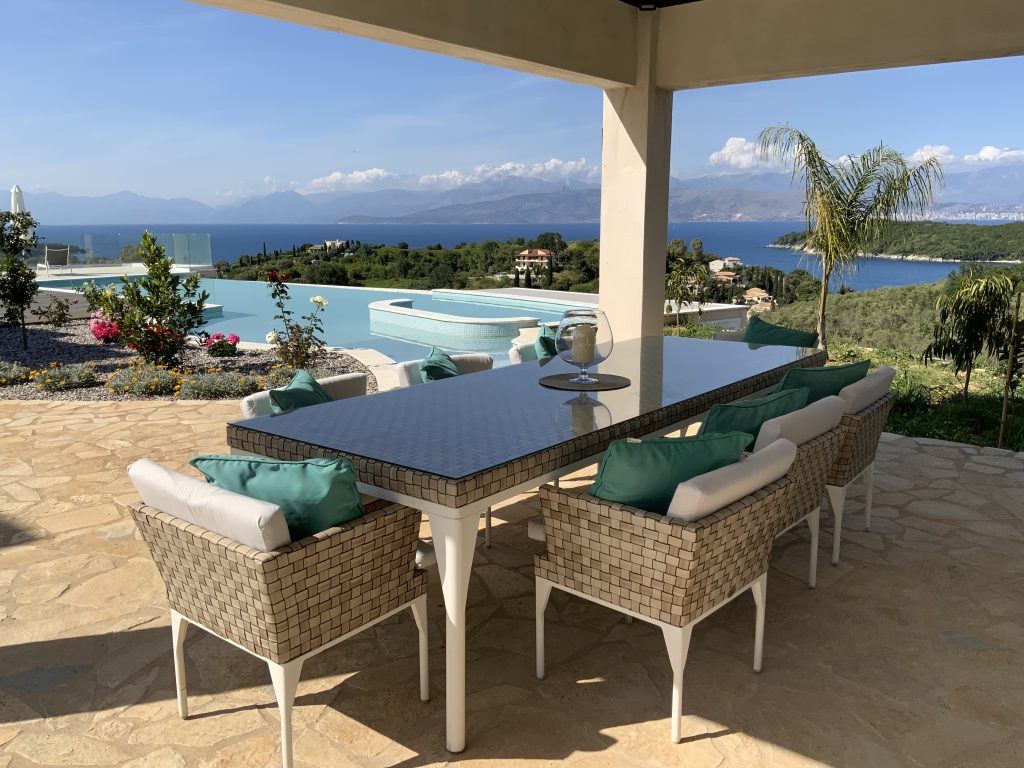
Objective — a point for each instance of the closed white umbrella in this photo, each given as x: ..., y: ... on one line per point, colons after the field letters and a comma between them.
x: 17, y: 200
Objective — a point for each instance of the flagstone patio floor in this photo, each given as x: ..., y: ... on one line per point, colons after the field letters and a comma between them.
x: 909, y: 653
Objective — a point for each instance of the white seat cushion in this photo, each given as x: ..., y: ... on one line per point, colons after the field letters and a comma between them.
x: 861, y: 394
x: 710, y: 492
x: 535, y: 529
x: 257, y: 524
x: 805, y: 424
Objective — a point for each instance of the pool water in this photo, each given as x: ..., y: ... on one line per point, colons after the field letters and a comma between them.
x: 249, y: 312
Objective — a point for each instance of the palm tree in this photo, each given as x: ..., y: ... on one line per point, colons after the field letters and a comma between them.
x: 974, y: 316
x: 848, y: 204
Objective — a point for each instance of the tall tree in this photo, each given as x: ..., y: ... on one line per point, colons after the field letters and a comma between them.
x: 18, y: 286
x: 851, y: 202
x: 685, y: 283
x: 973, y: 318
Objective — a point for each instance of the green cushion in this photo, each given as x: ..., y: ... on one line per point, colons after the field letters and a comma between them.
x: 760, y: 332
x: 301, y: 391
x: 823, y: 382
x: 748, y: 415
x: 314, y: 495
x: 438, y: 365
x: 544, y: 346
x: 645, y: 473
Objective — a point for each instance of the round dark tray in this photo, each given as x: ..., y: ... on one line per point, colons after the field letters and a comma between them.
x: 605, y: 381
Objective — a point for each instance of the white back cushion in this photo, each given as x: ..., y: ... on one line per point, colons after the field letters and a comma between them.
x: 409, y: 372
x: 710, y: 492
x: 863, y: 393
x: 338, y: 387
x: 805, y: 424
x: 474, y: 362
x: 257, y: 524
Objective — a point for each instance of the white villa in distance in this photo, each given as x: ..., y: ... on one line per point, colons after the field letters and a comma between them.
x: 533, y: 259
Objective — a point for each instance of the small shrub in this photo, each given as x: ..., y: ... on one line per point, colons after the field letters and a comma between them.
x: 14, y: 373
x: 57, y: 313
x: 219, y: 345
x: 59, y: 378
x: 104, y: 328
x: 142, y: 379
x: 692, y: 331
x: 218, y: 385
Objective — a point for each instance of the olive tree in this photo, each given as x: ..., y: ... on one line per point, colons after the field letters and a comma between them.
x: 18, y: 287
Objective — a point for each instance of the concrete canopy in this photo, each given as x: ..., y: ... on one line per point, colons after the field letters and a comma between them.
x: 713, y: 42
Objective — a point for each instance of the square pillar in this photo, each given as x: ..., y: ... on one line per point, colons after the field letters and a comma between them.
x: 635, y: 156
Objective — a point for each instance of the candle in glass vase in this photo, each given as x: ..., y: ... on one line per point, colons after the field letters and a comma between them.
x: 584, y: 336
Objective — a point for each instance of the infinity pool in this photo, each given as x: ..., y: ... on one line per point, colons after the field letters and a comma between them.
x: 249, y: 312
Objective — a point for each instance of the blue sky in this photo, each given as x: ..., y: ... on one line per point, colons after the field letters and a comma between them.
x: 170, y: 98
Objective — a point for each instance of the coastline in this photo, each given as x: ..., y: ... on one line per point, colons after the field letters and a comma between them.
x: 904, y: 257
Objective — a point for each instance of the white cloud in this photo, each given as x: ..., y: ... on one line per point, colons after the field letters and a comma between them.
x: 942, y: 151
x: 996, y: 155
x: 338, y: 180
x: 737, y: 152
x: 553, y: 169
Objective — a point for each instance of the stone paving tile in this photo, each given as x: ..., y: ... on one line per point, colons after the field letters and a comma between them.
x: 910, y: 653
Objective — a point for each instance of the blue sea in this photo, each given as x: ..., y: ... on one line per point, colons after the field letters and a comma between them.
x: 745, y: 240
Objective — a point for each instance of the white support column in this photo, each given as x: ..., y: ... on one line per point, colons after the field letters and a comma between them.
x: 634, y: 195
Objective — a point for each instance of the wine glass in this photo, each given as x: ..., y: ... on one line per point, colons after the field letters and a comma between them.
x: 584, y: 339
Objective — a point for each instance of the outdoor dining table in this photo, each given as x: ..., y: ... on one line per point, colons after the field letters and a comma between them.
x: 455, y: 448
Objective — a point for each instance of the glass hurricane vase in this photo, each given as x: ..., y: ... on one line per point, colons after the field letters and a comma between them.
x: 584, y: 339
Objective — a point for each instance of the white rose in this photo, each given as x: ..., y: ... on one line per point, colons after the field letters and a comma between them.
x: 272, y: 337
x: 320, y: 301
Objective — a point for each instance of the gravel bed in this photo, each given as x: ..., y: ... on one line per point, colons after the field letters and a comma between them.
x: 75, y: 344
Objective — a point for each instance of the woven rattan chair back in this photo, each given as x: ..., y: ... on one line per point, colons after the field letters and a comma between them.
x: 863, y: 431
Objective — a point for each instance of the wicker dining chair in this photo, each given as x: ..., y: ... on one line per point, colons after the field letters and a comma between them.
x: 664, y: 569
x: 288, y: 602
x: 817, y: 431
x: 868, y: 403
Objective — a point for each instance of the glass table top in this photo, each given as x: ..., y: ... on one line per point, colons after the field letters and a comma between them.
x: 468, y: 424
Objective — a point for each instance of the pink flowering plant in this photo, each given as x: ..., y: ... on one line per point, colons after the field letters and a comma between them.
x: 219, y: 345
x: 104, y: 328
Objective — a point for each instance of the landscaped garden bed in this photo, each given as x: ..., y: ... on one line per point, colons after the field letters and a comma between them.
x: 59, y: 361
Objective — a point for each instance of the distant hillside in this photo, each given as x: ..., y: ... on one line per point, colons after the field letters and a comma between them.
x: 989, y: 193
x: 583, y: 206
x: 942, y: 240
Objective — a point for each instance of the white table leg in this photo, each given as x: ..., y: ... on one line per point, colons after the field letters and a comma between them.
x: 454, y: 544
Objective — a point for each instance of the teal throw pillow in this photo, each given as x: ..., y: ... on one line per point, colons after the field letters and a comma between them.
x: 438, y: 365
x: 645, y: 473
x: 748, y: 415
x: 314, y: 495
x: 544, y: 346
x: 823, y: 382
x: 301, y: 391
x: 760, y: 332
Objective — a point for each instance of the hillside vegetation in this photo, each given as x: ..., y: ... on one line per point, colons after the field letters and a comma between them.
x: 899, y: 318
x: 941, y: 240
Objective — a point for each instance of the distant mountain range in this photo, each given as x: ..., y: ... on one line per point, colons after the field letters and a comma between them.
x: 987, y: 193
